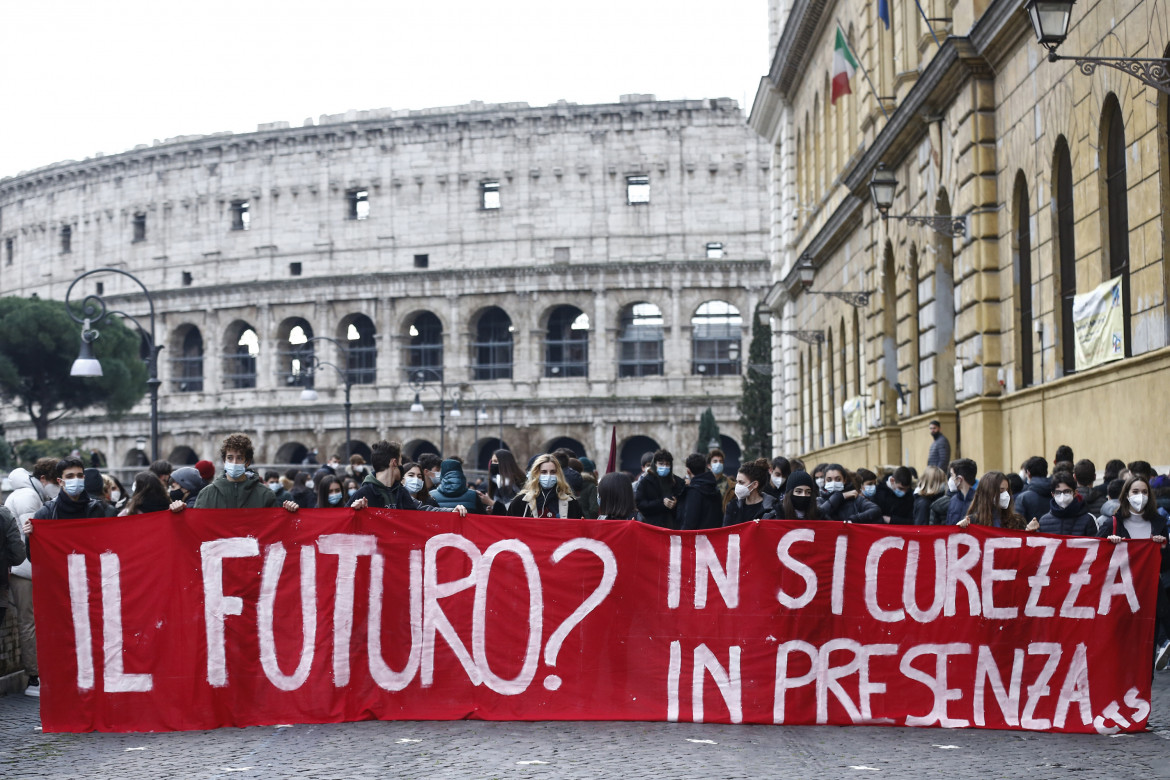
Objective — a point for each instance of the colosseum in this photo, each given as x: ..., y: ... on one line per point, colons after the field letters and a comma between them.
x: 483, y: 273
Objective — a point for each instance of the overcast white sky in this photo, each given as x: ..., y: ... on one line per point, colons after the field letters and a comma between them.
x: 77, y: 78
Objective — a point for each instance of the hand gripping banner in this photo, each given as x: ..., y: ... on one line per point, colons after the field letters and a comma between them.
x: 215, y: 618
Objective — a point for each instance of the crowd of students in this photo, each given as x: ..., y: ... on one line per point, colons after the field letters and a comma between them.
x: 1132, y: 501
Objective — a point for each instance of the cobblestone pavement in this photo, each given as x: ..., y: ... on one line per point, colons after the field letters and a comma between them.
x: 476, y: 749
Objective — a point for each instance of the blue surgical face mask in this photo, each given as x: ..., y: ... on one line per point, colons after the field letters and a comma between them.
x: 717, y: 467
x: 75, y: 487
x: 274, y: 487
x: 352, y: 492
x: 413, y: 484
x: 868, y: 490
x: 663, y: 471
x: 334, y: 498
x: 899, y: 493
x: 233, y: 470
x: 548, y: 481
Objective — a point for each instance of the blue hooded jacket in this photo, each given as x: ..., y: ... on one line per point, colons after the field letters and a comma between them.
x: 452, y: 490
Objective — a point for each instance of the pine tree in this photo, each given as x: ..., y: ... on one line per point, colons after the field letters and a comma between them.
x: 708, y: 431
x: 755, y: 406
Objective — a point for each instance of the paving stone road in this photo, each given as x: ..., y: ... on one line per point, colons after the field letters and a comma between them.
x: 476, y: 749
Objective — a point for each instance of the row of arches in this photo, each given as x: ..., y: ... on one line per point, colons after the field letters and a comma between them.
x: 716, y: 339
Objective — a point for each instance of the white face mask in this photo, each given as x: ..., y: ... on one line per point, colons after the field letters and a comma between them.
x: 834, y: 486
x: 1137, y: 501
x: 1005, y: 499
x: 742, y: 491
x: 777, y: 482
x: 951, y: 486
x: 309, y: 484
x: 1063, y: 500
x: 820, y: 482
x: 115, y: 496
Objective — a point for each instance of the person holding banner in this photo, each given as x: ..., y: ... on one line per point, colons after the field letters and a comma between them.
x: 236, y: 489
x: 384, y: 488
x: 801, y: 499
x: 750, y: 503
x: 1138, y: 518
x: 615, y: 495
x: 992, y: 505
x: 546, y: 494
x: 844, y: 502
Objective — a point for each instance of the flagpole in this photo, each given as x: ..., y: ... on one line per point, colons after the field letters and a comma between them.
x: 929, y: 26
x: 864, y: 72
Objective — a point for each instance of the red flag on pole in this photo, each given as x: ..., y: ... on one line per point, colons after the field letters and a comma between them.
x: 612, y: 467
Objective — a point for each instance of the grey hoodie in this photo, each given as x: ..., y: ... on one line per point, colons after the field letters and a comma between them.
x: 28, y: 495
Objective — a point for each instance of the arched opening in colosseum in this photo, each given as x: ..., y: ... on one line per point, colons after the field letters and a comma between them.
x: 631, y: 450
x: 291, y: 452
x: 492, y: 348
x: 640, y: 341
x: 356, y: 447
x: 293, y: 354
x: 566, y: 442
x: 481, y: 451
x: 424, y: 345
x: 357, y: 332
x: 566, y: 343
x: 183, y: 456
x: 187, y: 359
x: 415, y: 448
x: 241, y: 348
x: 716, y: 338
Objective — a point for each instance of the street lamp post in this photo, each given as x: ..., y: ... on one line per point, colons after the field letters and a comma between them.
x: 418, y: 380
x: 93, y: 311
x: 310, y: 394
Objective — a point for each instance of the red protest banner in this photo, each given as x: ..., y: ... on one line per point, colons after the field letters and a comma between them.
x: 221, y: 618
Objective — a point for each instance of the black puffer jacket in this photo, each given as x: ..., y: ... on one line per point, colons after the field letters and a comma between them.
x: 702, y: 504
x: 1034, y: 500
x: 1073, y: 520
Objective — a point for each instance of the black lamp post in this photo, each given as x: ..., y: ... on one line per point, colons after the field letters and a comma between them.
x: 93, y: 311
x: 418, y: 380
x: 882, y: 188
x: 807, y: 272
x: 310, y: 394
x: 1051, y: 20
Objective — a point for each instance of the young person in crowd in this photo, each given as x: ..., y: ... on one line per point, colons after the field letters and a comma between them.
x: 506, y: 478
x: 750, y: 502
x: 1067, y: 515
x: 615, y: 495
x: 415, y: 481
x: 702, y: 503
x: 961, y: 483
x: 149, y: 495
x: 801, y: 498
x: 453, y: 490
x: 237, y: 489
x: 843, y: 501
x: 931, y: 488
x: 716, y: 462
x: 895, y: 497
x: 589, y: 500
x: 330, y: 492
x: 658, y: 493
x: 186, y: 485
x: 1037, y: 494
x: 546, y: 493
x: 992, y: 505
x: 272, y: 480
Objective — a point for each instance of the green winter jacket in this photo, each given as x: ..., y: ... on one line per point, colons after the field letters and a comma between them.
x: 252, y: 493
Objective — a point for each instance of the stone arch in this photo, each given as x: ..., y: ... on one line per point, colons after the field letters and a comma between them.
x: 631, y: 450
x: 640, y: 340
x: 1022, y: 279
x: 914, y: 332
x: 186, y: 359
x: 1064, y: 267
x: 418, y: 447
x: 183, y: 455
x: 482, y: 449
x: 566, y: 341
x: 422, y: 338
x: 135, y: 458
x: 732, y: 454
x: 356, y: 447
x: 1115, y: 206
x: 241, y: 348
x: 568, y: 442
x: 889, y: 331
x: 291, y: 452
x: 716, y: 339
x: 357, y: 332
x: 292, y: 351
x: 493, y: 341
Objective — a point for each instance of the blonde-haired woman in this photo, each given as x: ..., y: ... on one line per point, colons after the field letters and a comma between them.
x: 546, y: 493
x: 931, y: 488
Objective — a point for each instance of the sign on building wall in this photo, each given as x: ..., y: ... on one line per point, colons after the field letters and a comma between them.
x: 1099, y: 325
x: 854, y: 412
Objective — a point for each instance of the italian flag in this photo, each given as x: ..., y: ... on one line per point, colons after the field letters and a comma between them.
x: 844, y: 66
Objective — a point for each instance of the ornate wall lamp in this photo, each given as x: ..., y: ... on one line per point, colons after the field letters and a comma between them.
x: 882, y: 188
x: 808, y: 272
x: 1050, y: 21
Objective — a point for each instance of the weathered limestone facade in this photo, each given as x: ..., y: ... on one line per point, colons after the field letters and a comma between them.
x: 358, y: 225
x: 970, y: 330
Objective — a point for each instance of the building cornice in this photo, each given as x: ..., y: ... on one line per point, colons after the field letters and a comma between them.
x: 791, y: 60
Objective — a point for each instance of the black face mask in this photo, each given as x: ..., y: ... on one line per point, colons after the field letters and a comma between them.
x: 176, y: 494
x: 800, y: 503
x: 493, y: 469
